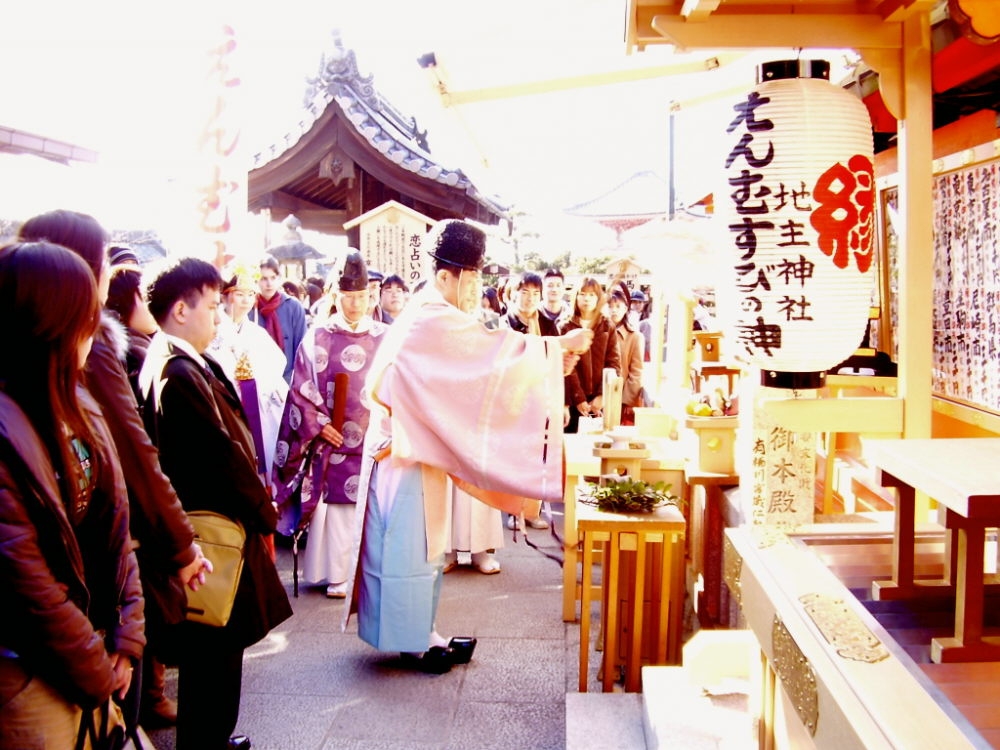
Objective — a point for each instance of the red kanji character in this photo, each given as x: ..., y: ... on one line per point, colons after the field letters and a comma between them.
x: 844, y: 219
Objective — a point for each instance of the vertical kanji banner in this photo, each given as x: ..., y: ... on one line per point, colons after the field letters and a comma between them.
x: 221, y: 182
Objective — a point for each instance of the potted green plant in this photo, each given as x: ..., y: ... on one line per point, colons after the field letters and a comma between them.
x: 628, y: 495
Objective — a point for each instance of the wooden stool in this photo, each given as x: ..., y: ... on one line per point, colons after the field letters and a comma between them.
x: 633, y: 533
x: 702, y: 371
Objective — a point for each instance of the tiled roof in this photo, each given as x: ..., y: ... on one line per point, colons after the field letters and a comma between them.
x: 387, y: 130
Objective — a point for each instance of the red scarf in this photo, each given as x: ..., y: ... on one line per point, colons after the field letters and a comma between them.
x: 268, y: 311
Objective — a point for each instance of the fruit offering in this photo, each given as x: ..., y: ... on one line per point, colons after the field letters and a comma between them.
x: 717, y: 404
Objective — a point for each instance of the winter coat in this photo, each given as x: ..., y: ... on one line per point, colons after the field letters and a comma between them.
x: 207, y: 451
x: 546, y: 326
x: 631, y: 346
x: 292, y: 318
x: 62, y: 585
x: 138, y: 344
x: 586, y: 381
x: 158, y: 522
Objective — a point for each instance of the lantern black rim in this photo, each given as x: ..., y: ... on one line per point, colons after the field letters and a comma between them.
x: 778, y: 70
x: 798, y: 381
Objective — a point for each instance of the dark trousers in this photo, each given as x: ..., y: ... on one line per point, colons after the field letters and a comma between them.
x: 209, y: 681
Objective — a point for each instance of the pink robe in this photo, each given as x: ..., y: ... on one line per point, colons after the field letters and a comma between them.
x: 484, y: 406
x: 480, y: 404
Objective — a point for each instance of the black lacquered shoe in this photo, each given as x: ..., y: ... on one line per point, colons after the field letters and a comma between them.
x: 435, y: 660
x: 239, y: 742
x: 462, y: 648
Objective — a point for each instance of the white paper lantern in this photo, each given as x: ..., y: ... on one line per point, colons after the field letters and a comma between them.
x: 798, y: 210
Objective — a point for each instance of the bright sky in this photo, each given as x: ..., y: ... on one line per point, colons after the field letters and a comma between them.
x: 126, y: 79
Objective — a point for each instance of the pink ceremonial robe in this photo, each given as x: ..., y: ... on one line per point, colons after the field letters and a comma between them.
x: 449, y: 397
x: 484, y: 406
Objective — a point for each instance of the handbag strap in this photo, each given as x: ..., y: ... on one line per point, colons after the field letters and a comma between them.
x: 88, y: 729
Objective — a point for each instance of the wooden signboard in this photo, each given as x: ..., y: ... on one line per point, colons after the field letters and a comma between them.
x: 391, y: 241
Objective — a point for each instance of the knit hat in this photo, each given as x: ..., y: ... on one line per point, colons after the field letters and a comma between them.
x: 354, y: 277
x: 458, y: 244
x: 118, y: 255
x: 638, y: 296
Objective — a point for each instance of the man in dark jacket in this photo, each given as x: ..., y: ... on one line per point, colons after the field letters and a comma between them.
x: 207, y: 451
x: 526, y: 314
x: 391, y: 300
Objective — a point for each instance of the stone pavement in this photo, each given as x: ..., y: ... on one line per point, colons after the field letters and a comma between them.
x: 310, y: 687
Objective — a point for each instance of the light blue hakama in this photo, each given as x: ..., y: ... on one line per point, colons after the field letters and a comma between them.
x: 399, y: 589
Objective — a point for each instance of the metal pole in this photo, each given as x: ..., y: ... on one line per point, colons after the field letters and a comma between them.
x: 671, y: 191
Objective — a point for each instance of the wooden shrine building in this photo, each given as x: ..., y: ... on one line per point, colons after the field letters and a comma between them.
x: 352, y: 152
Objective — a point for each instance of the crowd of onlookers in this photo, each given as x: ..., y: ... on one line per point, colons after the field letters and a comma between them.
x: 128, y: 400
x: 520, y: 301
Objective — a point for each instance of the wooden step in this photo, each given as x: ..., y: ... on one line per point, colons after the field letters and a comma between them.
x: 984, y: 717
x: 870, y: 495
x: 912, y: 624
x: 992, y: 736
x: 917, y: 620
x: 866, y: 494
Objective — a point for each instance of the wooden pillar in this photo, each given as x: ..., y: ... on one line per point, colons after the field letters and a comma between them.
x: 916, y: 264
x: 916, y: 241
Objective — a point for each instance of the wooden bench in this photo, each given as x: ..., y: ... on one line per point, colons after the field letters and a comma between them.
x: 963, y: 475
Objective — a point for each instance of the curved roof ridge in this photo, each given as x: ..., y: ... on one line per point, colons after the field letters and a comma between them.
x: 386, y: 128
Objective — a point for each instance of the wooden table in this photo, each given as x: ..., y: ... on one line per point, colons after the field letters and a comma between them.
x: 963, y: 475
x: 707, y: 560
x: 701, y: 371
x: 632, y: 533
x: 581, y: 461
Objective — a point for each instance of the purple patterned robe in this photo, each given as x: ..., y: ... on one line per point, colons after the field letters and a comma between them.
x: 332, y: 473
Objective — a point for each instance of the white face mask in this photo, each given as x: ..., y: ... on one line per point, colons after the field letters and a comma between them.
x: 633, y: 317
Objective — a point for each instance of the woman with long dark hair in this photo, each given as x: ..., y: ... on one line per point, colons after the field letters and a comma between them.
x: 72, y: 630
x: 631, y: 346
x: 585, y: 384
x: 168, y: 557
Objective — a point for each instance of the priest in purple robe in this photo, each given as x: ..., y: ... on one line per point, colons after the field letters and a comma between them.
x: 322, y: 430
